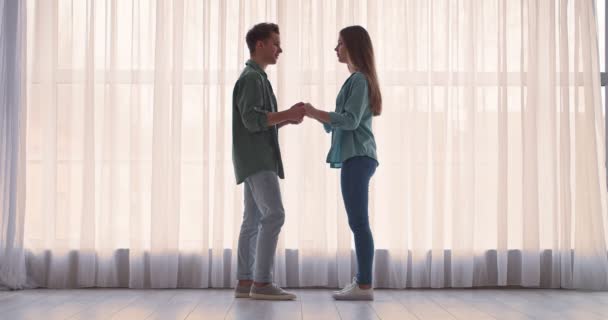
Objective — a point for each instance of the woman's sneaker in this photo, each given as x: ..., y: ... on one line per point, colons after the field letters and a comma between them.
x: 354, y: 293
x: 270, y: 292
x: 348, y: 286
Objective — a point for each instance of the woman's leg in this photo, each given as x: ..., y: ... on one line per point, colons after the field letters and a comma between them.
x: 355, y: 176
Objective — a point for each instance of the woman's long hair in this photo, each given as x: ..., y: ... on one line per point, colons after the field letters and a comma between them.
x: 361, y: 53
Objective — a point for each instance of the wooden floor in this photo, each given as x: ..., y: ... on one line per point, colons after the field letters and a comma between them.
x: 210, y: 304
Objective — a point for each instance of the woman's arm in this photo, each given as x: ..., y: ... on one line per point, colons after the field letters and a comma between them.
x: 319, y: 115
x: 352, y: 111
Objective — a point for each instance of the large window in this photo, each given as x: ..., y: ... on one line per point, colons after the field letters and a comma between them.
x: 488, y: 141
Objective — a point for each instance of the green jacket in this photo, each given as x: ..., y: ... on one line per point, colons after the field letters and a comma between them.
x: 255, y: 145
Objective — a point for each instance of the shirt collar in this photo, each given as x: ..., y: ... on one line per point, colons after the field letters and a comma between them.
x: 255, y: 66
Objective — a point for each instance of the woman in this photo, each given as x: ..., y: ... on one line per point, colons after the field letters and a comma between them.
x: 353, y: 148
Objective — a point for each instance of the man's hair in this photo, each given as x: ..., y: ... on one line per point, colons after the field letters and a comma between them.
x: 260, y: 32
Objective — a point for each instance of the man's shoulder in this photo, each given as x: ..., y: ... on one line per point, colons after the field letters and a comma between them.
x: 249, y: 74
x: 247, y: 78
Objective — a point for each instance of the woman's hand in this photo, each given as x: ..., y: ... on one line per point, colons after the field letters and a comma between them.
x: 316, y: 114
x: 310, y: 110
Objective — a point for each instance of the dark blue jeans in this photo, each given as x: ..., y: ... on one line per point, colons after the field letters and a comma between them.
x: 355, y: 175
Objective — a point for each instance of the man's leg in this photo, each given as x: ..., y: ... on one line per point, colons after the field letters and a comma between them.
x: 267, y: 195
x: 247, y: 243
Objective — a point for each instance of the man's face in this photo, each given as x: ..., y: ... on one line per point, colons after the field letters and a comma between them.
x: 271, y: 48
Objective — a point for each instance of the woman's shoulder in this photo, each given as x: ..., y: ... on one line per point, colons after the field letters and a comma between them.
x: 358, y: 75
x: 357, y: 78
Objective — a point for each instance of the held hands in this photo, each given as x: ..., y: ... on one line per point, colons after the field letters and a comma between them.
x: 297, y: 112
x: 310, y: 110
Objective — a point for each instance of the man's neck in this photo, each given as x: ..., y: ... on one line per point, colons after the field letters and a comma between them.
x: 260, y: 62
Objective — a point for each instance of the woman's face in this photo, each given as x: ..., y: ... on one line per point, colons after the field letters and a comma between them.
x: 341, y: 51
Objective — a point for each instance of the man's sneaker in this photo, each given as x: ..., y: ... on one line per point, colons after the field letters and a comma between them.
x: 348, y: 286
x: 355, y: 293
x: 270, y: 292
x: 242, y: 291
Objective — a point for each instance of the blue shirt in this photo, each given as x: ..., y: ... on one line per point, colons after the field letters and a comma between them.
x: 351, y: 123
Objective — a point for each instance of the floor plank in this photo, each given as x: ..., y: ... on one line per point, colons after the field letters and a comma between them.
x: 215, y: 304
x: 421, y: 305
x: 243, y: 309
x: 317, y: 305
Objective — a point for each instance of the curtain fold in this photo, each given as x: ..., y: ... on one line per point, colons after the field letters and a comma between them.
x: 491, y: 144
x: 12, y: 147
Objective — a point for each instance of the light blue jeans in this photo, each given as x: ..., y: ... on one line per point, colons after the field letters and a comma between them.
x: 263, y: 218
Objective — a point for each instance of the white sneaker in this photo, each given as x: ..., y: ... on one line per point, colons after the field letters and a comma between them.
x: 355, y: 293
x: 348, y: 286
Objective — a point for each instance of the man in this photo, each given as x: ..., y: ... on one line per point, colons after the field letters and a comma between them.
x: 257, y: 162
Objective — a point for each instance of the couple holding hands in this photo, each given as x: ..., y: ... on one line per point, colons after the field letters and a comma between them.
x: 257, y: 157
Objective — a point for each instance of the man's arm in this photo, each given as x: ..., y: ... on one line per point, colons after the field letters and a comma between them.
x: 250, y: 101
x: 293, y: 115
x: 282, y: 124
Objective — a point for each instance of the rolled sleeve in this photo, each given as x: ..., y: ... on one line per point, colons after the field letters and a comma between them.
x: 354, y: 107
x: 251, y: 104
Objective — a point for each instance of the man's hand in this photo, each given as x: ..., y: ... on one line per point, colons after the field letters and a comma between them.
x: 293, y: 115
x: 296, y: 113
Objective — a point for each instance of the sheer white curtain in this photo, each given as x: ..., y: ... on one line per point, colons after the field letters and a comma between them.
x: 491, y: 144
x: 12, y: 143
